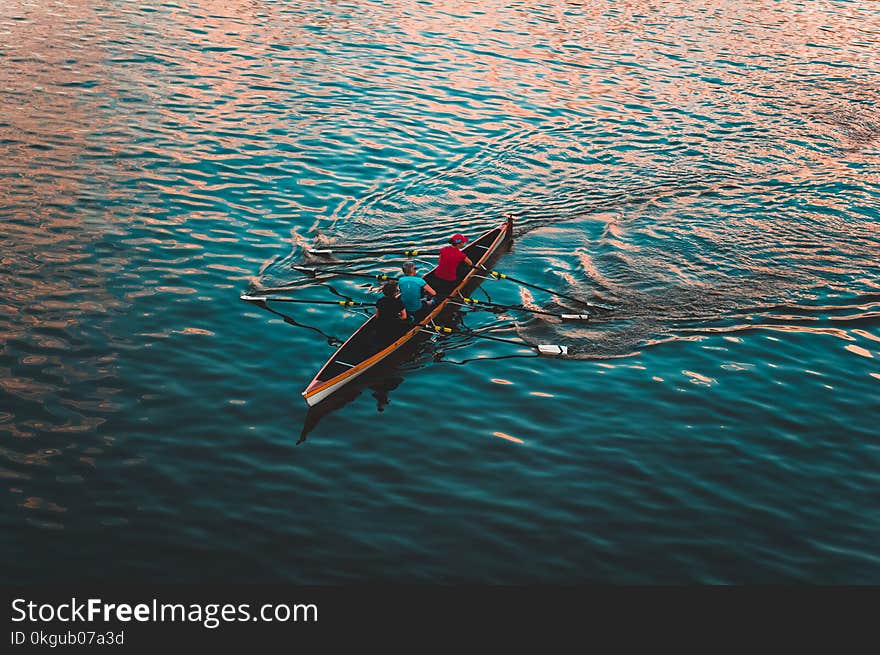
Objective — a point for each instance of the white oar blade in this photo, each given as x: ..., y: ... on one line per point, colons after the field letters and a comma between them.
x: 552, y: 351
x: 575, y: 317
x: 319, y: 251
x: 248, y: 298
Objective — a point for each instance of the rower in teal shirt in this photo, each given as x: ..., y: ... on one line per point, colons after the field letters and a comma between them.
x: 411, y: 287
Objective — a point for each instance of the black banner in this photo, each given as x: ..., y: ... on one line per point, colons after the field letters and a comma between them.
x: 243, y: 617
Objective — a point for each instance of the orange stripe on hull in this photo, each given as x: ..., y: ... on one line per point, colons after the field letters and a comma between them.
x: 320, y: 389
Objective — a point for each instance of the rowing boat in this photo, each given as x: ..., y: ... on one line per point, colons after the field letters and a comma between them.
x: 365, y: 349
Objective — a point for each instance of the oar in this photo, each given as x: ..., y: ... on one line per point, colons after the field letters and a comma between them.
x: 522, y: 308
x: 503, y: 276
x: 542, y: 349
x: 331, y: 340
x: 365, y: 251
x: 315, y: 272
x: 343, y: 303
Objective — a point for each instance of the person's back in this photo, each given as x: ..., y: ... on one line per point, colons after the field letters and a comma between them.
x: 451, y: 257
x: 447, y: 266
x: 411, y: 287
x: 390, y: 314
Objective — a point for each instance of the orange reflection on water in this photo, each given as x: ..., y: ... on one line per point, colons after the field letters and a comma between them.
x: 504, y: 435
x: 858, y: 350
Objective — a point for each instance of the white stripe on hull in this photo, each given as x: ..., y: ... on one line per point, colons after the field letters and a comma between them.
x: 314, y: 399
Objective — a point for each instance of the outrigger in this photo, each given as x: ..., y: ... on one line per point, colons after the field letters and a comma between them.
x: 365, y: 349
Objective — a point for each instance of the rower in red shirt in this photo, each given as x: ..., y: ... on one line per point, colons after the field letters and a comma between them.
x: 446, y: 273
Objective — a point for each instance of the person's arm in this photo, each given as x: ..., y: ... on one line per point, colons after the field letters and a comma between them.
x: 467, y: 260
x: 402, y: 315
x: 428, y: 288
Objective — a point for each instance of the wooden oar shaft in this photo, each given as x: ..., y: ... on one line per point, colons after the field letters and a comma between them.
x: 341, y: 303
x: 504, y: 276
x: 331, y: 340
x: 336, y: 271
x: 448, y: 330
x: 494, y: 305
x: 542, y: 349
x: 413, y: 252
x: 496, y: 275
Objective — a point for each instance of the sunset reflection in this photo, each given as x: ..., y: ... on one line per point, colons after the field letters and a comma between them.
x: 702, y: 179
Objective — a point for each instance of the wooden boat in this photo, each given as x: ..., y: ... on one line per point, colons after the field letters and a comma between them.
x: 365, y: 349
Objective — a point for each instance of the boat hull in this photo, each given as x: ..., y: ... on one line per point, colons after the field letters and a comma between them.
x: 327, y: 391
x: 357, y: 355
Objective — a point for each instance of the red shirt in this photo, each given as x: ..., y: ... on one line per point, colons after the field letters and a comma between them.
x: 447, y: 267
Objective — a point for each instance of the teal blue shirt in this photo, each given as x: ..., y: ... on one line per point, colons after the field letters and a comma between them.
x: 411, y: 292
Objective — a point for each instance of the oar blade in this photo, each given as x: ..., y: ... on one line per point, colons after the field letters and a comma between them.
x: 549, y: 350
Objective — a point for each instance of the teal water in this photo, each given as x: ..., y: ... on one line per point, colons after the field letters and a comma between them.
x: 711, y: 171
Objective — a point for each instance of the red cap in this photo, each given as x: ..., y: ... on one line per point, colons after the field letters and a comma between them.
x: 459, y: 238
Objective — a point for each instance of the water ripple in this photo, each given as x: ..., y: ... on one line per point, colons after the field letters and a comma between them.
x: 709, y: 171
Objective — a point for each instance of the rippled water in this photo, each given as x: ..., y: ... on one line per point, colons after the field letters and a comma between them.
x: 711, y: 170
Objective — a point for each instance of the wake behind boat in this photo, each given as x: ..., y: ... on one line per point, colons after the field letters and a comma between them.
x: 366, y: 349
x: 373, y: 344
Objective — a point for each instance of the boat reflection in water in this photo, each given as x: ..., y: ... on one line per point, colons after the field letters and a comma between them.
x: 387, y: 377
x: 381, y: 384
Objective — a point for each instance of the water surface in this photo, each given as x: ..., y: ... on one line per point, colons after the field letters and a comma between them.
x: 712, y: 172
